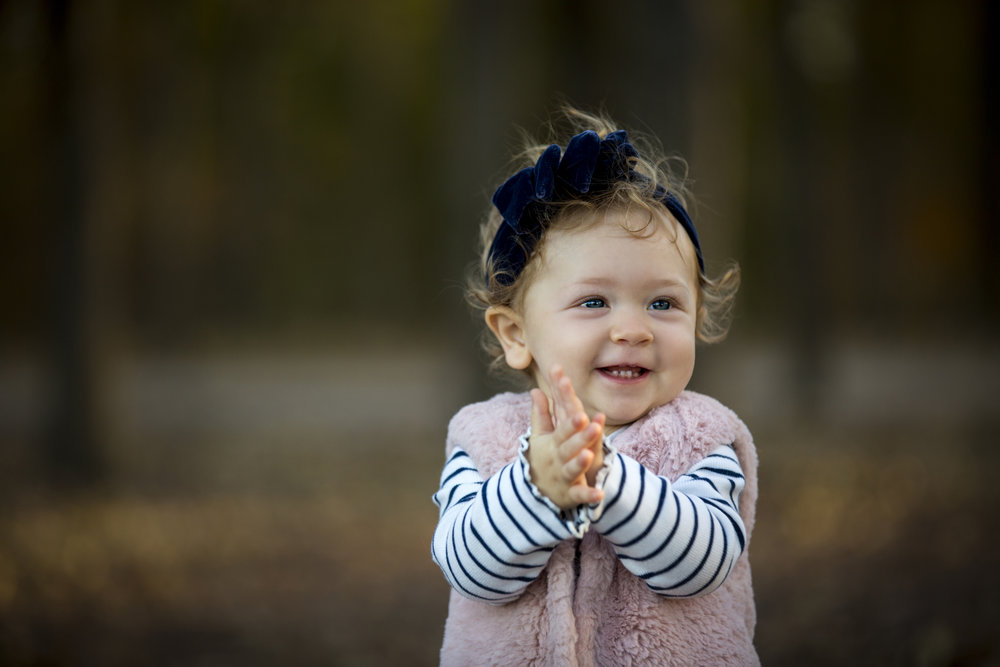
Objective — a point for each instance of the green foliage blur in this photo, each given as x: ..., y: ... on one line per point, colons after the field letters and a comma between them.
x: 260, y: 171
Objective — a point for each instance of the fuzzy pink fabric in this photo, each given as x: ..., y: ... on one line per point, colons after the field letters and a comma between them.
x: 608, y: 616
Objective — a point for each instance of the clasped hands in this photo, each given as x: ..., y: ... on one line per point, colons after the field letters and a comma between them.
x: 566, y: 448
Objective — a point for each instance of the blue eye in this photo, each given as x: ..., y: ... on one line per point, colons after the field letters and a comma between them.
x: 594, y: 302
x: 661, y: 304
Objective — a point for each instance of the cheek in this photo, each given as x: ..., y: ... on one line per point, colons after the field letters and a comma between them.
x: 555, y: 345
x: 690, y: 352
x: 681, y: 349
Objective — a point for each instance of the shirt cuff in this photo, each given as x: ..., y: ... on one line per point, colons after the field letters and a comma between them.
x: 577, y: 519
x: 594, y: 512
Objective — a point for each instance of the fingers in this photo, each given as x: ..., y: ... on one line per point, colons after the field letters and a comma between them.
x: 567, y: 445
x: 566, y: 399
x: 541, y: 418
x: 579, y: 490
x: 580, y: 445
x: 581, y: 494
x: 598, y: 422
x: 596, y: 446
x: 569, y: 413
x: 577, y: 465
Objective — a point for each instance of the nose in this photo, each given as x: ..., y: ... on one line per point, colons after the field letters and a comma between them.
x: 631, y: 328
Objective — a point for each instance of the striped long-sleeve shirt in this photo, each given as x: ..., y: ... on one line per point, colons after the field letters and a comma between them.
x: 682, y: 538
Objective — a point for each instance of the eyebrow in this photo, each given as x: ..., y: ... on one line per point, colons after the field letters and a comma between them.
x: 664, y: 283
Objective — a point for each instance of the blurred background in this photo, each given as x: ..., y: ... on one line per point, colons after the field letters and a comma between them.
x: 234, y: 239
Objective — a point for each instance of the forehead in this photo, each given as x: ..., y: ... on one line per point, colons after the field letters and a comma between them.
x: 654, y: 234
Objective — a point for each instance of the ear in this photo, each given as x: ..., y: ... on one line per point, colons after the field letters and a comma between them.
x: 507, y: 326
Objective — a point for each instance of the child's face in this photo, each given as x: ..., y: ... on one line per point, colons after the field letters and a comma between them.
x: 617, y: 312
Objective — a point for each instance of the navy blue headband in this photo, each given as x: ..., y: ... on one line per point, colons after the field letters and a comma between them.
x: 590, y: 166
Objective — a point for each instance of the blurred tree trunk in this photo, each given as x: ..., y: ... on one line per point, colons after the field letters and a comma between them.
x: 71, y: 454
x: 989, y: 277
x: 813, y: 74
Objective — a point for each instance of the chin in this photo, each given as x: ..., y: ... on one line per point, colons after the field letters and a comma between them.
x: 623, y: 415
x: 621, y: 419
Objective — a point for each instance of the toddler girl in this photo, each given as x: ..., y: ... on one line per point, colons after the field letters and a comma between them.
x: 603, y: 518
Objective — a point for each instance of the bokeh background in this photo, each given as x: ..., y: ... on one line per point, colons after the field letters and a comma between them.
x: 234, y: 238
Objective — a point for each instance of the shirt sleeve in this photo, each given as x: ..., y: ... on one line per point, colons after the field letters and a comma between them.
x: 495, y: 536
x: 681, y: 538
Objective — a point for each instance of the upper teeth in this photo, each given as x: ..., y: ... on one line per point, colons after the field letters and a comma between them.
x: 625, y: 372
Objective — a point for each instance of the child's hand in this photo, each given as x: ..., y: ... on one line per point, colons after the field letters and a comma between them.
x: 566, y: 449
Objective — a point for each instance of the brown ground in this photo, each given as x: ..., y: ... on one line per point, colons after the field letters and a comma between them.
x: 870, y: 549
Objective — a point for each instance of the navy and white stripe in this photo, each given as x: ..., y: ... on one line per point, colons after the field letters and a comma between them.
x: 681, y: 538
x: 494, y: 536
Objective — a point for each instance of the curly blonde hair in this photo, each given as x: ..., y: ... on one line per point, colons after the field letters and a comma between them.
x: 487, y: 285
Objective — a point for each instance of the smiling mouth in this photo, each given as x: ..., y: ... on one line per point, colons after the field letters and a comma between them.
x: 624, y: 372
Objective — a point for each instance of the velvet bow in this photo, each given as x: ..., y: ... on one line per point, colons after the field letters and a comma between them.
x: 591, y: 166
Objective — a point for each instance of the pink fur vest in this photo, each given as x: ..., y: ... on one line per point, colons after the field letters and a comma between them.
x: 607, y: 616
